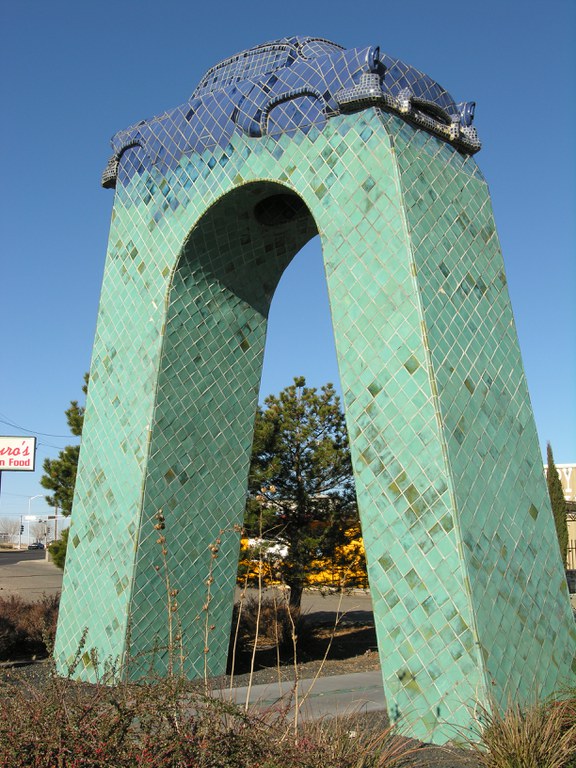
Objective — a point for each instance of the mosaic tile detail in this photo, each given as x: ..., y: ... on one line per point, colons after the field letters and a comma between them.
x: 466, y: 580
x: 290, y: 84
x: 510, y: 553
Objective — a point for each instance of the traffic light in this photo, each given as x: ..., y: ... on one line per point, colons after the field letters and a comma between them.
x: 21, y: 529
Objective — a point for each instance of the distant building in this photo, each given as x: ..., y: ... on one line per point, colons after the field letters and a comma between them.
x: 567, y: 474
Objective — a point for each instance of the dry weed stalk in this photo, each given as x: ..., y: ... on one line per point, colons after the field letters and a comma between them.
x: 257, y: 632
x: 234, y: 648
x: 339, y: 616
x: 171, y: 599
x: 214, y: 550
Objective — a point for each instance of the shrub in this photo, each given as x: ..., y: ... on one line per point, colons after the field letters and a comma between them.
x: 58, y: 549
x: 164, y: 724
x: 26, y: 627
x: 268, y: 622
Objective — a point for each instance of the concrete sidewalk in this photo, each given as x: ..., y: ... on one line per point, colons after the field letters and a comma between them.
x: 350, y: 694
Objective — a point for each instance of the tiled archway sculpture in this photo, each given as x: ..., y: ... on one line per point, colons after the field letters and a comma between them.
x: 212, y: 201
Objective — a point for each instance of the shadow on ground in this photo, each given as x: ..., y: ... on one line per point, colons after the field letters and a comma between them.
x: 322, y: 636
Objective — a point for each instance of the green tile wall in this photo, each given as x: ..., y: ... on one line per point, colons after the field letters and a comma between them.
x: 465, y: 576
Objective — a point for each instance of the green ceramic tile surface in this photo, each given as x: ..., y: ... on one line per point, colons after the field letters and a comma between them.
x: 466, y: 580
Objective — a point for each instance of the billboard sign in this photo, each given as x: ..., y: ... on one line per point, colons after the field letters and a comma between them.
x: 17, y: 454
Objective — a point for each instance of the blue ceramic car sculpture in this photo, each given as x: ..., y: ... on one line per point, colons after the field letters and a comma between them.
x: 291, y: 85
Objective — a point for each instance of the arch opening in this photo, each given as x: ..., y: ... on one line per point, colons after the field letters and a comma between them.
x: 207, y: 395
x: 300, y: 335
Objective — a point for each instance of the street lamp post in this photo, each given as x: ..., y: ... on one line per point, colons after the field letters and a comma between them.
x: 31, y: 499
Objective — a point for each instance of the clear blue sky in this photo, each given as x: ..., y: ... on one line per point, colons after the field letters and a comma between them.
x: 73, y: 73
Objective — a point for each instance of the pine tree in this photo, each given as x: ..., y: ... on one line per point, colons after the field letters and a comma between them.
x: 558, y: 502
x: 58, y: 549
x: 60, y: 473
x: 301, y: 489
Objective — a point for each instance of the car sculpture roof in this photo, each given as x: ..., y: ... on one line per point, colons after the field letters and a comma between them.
x: 288, y: 85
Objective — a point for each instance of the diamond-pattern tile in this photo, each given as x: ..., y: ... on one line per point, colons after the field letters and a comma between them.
x: 466, y: 580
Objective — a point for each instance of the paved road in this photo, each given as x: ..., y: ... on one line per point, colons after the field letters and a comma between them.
x: 11, y: 556
x: 357, y: 604
x: 28, y: 574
